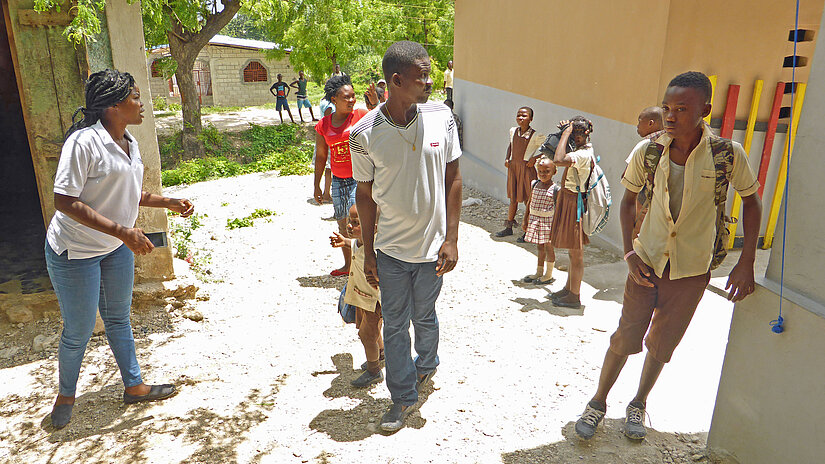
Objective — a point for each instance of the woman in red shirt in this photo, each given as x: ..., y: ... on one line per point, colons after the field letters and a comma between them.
x: 332, y: 138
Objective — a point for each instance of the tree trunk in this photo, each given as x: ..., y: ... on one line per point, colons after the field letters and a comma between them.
x: 184, y: 46
x: 192, y: 147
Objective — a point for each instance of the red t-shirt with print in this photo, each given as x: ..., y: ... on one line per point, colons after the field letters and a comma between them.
x: 337, y: 139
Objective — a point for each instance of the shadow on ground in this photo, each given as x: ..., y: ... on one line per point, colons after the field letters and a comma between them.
x: 610, y: 446
x: 529, y: 304
x: 100, y: 414
x: 360, y: 422
x: 322, y: 281
x: 603, y: 270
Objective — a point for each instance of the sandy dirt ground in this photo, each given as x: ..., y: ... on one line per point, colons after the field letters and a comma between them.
x: 264, y: 377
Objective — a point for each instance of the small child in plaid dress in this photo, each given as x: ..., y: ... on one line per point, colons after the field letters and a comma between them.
x: 540, y: 220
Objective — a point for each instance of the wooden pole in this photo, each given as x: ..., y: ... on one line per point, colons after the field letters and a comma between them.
x: 737, y: 200
x: 767, y: 145
x: 779, y: 191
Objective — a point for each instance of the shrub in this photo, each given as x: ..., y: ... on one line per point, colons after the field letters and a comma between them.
x: 159, y: 104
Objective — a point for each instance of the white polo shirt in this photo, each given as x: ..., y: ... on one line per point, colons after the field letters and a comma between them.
x: 407, y: 184
x: 96, y: 170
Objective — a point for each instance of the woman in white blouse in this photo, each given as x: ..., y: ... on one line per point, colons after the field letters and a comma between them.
x: 92, y: 239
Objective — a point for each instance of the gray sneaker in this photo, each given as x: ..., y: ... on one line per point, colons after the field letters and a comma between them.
x: 393, y: 420
x: 590, y: 418
x: 367, y: 379
x: 634, y: 422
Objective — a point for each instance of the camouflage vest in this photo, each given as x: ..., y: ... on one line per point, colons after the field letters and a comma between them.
x: 722, y: 150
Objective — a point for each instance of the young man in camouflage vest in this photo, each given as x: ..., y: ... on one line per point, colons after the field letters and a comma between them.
x: 685, y: 172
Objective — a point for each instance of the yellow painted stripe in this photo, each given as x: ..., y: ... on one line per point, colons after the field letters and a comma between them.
x: 783, y: 168
x: 712, y: 93
x: 737, y: 200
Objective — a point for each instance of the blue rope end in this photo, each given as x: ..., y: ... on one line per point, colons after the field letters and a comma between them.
x: 777, y: 325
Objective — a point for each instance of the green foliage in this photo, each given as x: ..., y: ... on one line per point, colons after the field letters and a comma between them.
x: 354, y: 34
x: 159, y: 104
x: 197, y: 170
x: 86, y: 23
x: 175, y: 107
x: 264, y: 148
x: 248, y: 221
x: 214, y: 142
x: 181, y: 233
x: 243, y: 26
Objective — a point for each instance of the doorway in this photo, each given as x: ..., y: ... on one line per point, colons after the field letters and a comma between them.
x: 22, y: 232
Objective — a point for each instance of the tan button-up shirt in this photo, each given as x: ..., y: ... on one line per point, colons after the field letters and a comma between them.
x: 688, y: 242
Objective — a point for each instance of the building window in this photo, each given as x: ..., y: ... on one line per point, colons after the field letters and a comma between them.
x: 155, y: 69
x: 255, y: 72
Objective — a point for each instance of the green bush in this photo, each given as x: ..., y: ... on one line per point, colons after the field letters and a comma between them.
x: 159, y: 104
x: 215, y: 143
x: 264, y: 148
x: 197, y: 170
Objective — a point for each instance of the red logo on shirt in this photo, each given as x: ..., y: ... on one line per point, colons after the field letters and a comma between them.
x: 434, y: 144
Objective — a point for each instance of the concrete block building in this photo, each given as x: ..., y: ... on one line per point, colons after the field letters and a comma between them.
x: 228, y: 72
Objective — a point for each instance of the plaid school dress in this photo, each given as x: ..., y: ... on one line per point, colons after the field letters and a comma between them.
x: 542, y: 206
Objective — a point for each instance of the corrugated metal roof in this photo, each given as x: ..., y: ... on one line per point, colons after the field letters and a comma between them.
x: 226, y: 41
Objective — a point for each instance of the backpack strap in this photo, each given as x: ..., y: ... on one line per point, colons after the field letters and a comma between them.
x: 722, y: 150
x: 653, y: 153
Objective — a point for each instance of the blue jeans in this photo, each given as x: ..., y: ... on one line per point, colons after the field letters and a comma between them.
x: 82, y: 286
x: 408, y: 293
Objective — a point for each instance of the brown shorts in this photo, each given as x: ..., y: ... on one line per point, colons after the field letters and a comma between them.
x: 666, y: 309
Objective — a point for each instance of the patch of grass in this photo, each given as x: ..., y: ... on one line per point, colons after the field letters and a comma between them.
x: 261, y: 148
x: 164, y: 114
x: 159, y: 103
x: 220, y: 109
x: 248, y: 221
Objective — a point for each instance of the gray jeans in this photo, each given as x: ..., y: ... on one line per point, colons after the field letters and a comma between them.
x: 408, y: 293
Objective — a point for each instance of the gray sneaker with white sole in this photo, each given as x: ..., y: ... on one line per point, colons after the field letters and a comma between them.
x: 590, y: 418
x: 634, y: 422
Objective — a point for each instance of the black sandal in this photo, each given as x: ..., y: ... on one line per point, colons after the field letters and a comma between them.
x: 61, y: 415
x: 156, y: 393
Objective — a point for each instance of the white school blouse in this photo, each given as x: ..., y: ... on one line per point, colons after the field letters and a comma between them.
x: 96, y: 170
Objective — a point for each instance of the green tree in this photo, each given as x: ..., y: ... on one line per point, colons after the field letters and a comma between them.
x: 243, y: 26
x: 186, y: 25
x: 323, y: 33
x: 355, y: 33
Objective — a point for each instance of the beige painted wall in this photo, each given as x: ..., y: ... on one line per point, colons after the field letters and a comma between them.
x: 584, y: 63
x: 614, y: 58
x: 769, y: 405
x: 128, y: 54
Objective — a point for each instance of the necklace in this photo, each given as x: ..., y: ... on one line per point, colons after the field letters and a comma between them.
x: 415, y: 132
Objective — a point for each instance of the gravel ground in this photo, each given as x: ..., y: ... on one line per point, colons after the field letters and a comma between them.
x: 264, y: 377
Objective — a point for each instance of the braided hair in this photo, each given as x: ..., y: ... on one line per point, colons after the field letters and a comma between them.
x: 581, y: 124
x: 104, y: 89
x: 334, y: 84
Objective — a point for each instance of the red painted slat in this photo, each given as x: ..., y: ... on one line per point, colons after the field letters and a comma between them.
x: 767, y: 146
x: 729, y: 119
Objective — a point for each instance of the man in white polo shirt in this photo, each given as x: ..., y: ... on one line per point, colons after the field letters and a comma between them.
x: 405, y: 159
